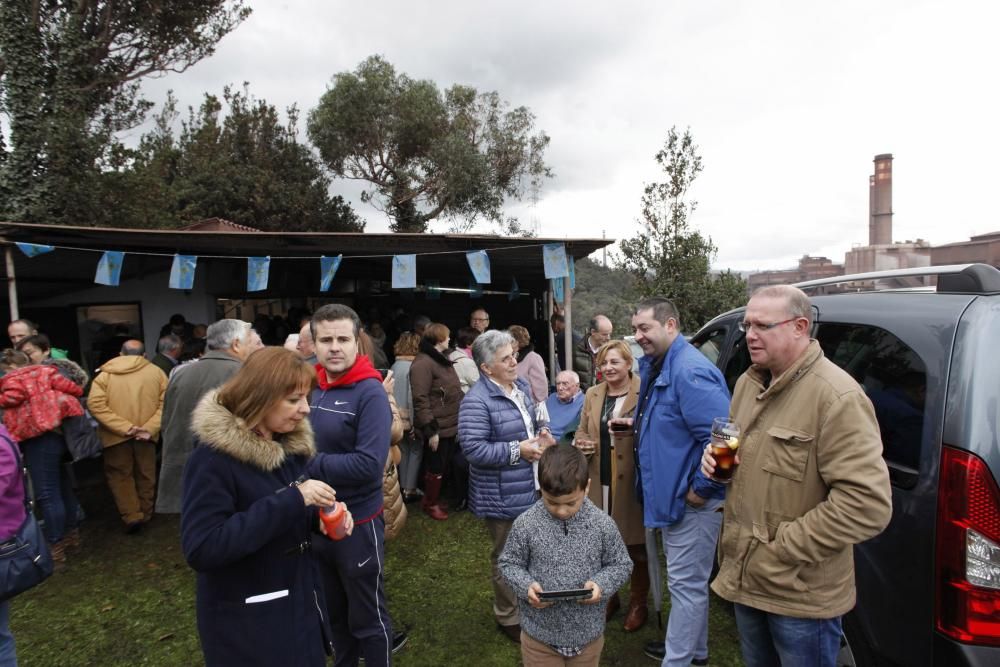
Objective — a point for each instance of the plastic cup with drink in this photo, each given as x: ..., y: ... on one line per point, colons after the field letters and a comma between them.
x: 725, y: 442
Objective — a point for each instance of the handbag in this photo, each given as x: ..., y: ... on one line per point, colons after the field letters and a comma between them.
x: 81, y: 437
x: 25, y: 560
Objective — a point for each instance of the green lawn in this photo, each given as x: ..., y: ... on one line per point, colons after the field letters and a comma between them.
x: 129, y: 600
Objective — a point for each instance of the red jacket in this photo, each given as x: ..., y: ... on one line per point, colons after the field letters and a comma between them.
x: 37, y: 399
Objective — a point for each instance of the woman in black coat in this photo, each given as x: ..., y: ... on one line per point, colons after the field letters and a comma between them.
x: 248, y: 518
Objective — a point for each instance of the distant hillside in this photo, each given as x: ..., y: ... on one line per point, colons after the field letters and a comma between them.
x: 601, y: 291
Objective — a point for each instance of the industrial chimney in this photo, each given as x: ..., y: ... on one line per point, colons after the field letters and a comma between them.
x: 880, y: 202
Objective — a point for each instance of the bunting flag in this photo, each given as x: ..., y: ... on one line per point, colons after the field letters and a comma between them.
x: 34, y: 249
x: 109, y: 269
x: 557, y: 290
x: 554, y: 260
x: 327, y: 270
x: 404, y: 271
x: 182, y: 272
x: 258, y: 269
x: 515, y: 291
x: 183, y: 269
x: 479, y: 263
x: 571, y: 264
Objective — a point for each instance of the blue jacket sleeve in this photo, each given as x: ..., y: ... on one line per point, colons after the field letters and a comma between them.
x: 213, y: 533
x: 371, y: 446
x: 703, y: 397
x: 475, y: 431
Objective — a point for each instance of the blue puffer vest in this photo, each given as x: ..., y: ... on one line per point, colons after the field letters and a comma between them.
x: 488, y: 421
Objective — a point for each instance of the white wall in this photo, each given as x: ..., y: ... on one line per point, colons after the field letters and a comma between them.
x: 158, y: 302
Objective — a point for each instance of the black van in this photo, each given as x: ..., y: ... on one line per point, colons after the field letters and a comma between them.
x: 929, y: 360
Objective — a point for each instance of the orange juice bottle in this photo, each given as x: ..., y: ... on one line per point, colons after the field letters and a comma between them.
x: 333, y: 520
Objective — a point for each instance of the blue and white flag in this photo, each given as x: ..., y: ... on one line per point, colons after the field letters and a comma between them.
x: 34, y: 249
x: 557, y: 290
x: 258, y: 269
x: 404, y: 271
x: 433, y: 288
x: 554, y: 260
x: 479, y: 263
x: 475, y: 289
x: 109, y: 269
x: 182, y: 272
x: 327, y: 270
x: 515, y: 291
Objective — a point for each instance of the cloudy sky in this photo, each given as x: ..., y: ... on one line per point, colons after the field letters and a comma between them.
x: 788, y: 101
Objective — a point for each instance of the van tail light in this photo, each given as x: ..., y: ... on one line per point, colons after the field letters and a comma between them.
x: 967, y: 604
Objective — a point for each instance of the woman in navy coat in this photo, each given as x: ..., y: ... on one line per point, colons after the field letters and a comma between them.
x: 248, y: 518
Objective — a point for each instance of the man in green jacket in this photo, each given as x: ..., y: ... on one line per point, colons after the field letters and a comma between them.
x: 811, y: 483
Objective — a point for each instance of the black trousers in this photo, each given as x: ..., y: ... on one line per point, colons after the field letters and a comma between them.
x: 354, y: 582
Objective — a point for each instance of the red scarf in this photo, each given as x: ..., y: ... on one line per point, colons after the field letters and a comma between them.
x: 361, y: 370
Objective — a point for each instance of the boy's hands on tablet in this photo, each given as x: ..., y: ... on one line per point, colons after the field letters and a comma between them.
x: 595, y: 597
x: 533, y: 590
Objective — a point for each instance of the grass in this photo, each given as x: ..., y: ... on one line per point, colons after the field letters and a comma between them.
x: 129, y: 600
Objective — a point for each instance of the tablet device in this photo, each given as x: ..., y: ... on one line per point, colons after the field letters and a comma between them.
x: 568, y: 594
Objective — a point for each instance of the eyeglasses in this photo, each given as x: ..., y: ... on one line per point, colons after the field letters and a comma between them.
x: 480, y: 319
x: 746, y: 326
x: 565, y: 384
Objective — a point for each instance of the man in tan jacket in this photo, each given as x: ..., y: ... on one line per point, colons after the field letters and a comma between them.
x: 126, y: 399
x: 811, y: 483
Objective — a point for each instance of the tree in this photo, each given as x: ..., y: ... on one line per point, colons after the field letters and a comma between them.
x: 459, y: 155
x: 670, y: 258
x: 244, y: 166
x: 70, y: 73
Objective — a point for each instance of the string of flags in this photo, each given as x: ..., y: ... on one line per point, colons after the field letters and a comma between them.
x: 555, y: 262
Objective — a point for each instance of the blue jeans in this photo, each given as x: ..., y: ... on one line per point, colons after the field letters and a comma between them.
x: 53, y: 492
x: 768, y: 640
x: 689, y: 546
x: 8, y: 654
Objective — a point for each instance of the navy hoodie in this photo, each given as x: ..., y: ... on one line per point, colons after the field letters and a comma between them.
x: 351, y: 424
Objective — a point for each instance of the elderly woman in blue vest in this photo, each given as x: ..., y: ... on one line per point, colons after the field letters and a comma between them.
x: 502, y: 440
x: 248, y: 517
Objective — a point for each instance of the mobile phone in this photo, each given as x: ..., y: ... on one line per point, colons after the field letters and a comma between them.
x: 568, y: 594
x: 383, y: 372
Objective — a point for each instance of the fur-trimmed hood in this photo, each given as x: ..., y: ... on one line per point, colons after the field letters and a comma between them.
x: 217, y: 427
x: 69, y: 370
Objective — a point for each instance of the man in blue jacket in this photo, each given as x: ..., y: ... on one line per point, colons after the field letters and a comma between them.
x: 681, y: 393
x: 349, y: 412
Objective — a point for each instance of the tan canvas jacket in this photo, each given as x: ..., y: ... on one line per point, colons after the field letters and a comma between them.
x: 811, y: 484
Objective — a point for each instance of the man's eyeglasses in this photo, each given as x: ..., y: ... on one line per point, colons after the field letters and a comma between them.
x: 746, y: 326
x: 480, y: 319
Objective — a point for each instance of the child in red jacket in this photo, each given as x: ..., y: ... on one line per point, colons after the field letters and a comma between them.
x: 36, y: 399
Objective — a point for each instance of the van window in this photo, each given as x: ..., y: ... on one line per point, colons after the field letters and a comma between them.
x: 738, y: 362
x: 710, y: 343
x: 894, y: 378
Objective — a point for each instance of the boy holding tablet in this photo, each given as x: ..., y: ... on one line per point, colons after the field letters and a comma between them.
x: 560, y: 557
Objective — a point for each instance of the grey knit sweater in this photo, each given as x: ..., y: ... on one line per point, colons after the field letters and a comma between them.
x: 560, y: 555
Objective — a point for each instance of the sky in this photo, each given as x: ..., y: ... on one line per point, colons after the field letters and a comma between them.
x: 788, y: 102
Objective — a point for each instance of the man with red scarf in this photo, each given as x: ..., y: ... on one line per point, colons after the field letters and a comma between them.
x: 351, y: 418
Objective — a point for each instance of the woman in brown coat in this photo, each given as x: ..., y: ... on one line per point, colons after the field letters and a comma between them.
x: 612, y: 466
x: 437, y: 393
